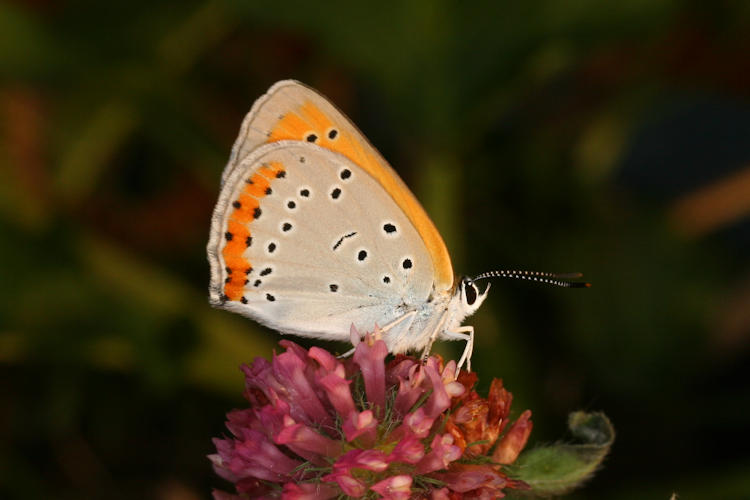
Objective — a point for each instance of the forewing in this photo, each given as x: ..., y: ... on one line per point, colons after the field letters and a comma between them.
x: 292, y: 111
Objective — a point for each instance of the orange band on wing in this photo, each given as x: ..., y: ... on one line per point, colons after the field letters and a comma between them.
x: 291, y: 126
x: 315, y: 117
x: 271, y: 170
x: 257, y: 186
x: 238, y: 236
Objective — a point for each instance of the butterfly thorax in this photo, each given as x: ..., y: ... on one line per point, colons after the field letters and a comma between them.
x: 443, y: 312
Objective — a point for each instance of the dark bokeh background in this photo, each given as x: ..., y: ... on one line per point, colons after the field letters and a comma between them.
x: 611, y: 138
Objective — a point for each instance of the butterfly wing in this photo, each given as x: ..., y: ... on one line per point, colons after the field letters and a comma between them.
x: 292, y: 111
x: 307, y: 242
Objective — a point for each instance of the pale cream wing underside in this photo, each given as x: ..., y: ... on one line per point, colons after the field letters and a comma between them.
x: 316, y: 249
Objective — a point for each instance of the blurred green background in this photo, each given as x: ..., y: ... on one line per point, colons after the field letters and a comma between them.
x: 611, y: 138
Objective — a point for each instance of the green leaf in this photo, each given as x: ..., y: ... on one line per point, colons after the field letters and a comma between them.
x: 559, y: 468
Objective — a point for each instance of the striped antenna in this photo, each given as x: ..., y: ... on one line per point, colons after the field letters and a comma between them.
x: 557, y: 279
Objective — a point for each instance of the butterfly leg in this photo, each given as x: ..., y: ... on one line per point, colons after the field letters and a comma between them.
x: 433, y: 337
x: 347, y: 353
x: 463, y: 333
x: 400, y: 319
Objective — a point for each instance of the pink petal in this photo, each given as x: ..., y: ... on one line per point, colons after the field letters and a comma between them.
x: 294, y: 348
x: 220, y: 469
x: 339, y: 394
x: 258, y: 377
x: 270, y: 418
x: 374, y: 460
x: 452, y: 387
x: 409, y: 450
x: 297, y: 390
x: 348, y: 484
x: 238, y: 420
x: 363, y: 426
x: 465, y: 478
x: 441, y: 494
x: 308, y: 491
x: 487, y: 494
x: 224, y: 448
x: 449, y: 372
x: 439, y: 400
x: 325, y: 359
x: 401, y: 369
x: 442, y: 452
x: 410, y: 387
x: 394, y: 488
x: 298, y: 436
x: 261, y: 451
x: 253, y: 488
x: 254, y: 457
x: 370, y: 359
x: 417, y: 423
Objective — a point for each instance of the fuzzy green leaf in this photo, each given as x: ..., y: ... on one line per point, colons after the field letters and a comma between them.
x: 559, y: 468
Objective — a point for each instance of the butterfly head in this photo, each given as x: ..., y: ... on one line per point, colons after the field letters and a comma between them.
x: 469, y: 296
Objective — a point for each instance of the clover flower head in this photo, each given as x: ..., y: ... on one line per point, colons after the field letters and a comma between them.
x: 319, y: 427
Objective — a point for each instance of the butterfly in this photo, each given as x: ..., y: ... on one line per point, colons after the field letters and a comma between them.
x: 314, y: 233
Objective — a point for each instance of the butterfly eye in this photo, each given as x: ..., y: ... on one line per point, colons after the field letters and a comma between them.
x: 471, y: 292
